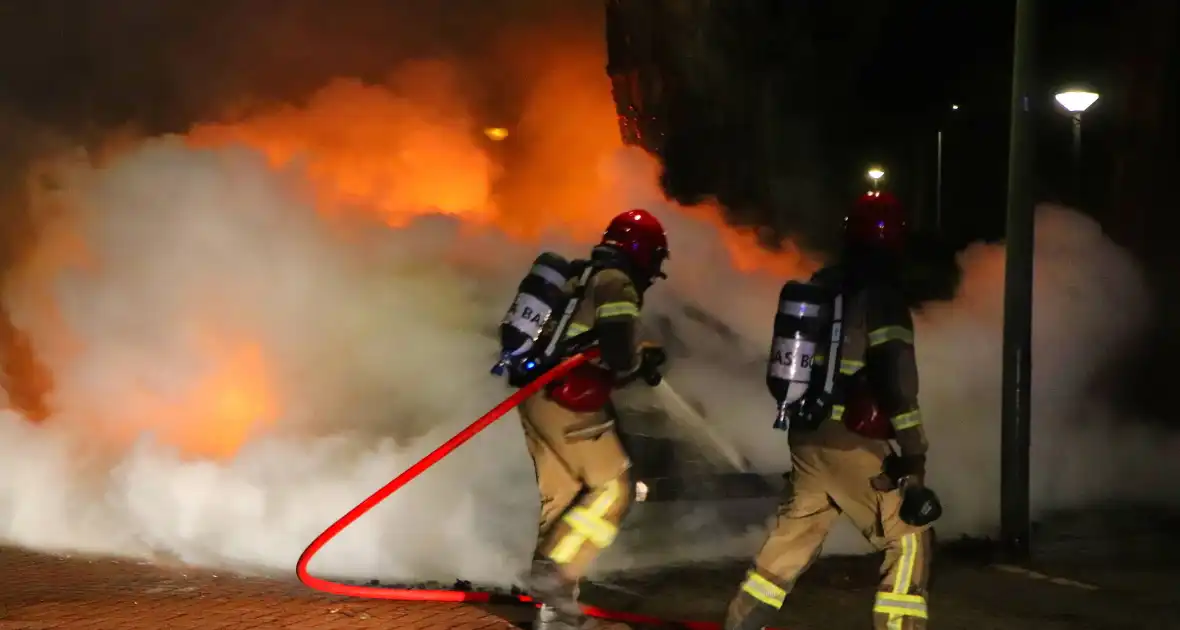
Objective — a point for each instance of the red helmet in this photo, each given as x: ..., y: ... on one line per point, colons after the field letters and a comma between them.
x: 877, y: 220
x: 641, y: 238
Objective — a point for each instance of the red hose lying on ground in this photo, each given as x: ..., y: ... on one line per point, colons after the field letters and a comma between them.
x: 378, y: 592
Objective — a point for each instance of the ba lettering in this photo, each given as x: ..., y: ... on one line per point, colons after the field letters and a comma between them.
x: 789, y: 358
x: 528, y: 314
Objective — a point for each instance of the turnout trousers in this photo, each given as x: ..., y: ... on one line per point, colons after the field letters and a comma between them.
x: 832, y: 469
x: 584, y: 479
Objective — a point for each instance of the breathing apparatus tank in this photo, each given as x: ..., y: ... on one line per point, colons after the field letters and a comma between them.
x: 529, y: 322
x: 809, y: 316
x: 539, y: 316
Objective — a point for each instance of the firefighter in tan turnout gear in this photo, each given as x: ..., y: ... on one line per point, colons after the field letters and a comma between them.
x: 582, y: 471
x: 842, y: 415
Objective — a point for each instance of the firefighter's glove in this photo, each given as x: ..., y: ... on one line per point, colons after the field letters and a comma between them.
x: 901, y: 471
x: 651, y: 359
x: 919, y: 505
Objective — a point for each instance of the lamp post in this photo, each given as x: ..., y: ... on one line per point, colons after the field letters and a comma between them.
x: 938, y: 181
x: 1076, y: 102
x: 1015, y: 430
x: 876, y: 173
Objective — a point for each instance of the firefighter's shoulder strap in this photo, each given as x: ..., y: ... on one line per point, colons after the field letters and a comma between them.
x: 582, y: 272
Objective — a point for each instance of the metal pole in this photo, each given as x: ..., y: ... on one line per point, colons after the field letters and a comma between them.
x: 1015, y: 434
x: 1077, y: 159
x: 938, y: 188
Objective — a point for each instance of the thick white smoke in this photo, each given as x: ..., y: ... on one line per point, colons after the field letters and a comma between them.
x: 374, y: 345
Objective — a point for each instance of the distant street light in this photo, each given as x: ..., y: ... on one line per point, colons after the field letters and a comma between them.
x: 938, y: 181
x: 1076, y: 102
x: 875, y: 174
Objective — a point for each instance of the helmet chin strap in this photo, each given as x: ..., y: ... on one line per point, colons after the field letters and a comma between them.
x: 613, y: 256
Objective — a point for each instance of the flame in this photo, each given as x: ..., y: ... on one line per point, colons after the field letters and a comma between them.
x: 368, y: 146
x: 412, y: 145
x: 231, y: 405
x: 215, y: 415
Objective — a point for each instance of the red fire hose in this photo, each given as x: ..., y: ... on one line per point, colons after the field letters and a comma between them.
x: 421, y: 595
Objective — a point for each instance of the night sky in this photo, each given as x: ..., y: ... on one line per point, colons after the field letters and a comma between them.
x: 899, y: 66
x: 961, y: 53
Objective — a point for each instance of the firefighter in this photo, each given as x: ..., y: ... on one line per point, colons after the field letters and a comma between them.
x: 582, y: 471
x: 844, y: 462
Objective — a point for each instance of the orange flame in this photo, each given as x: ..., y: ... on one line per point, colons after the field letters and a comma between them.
x: 416, y: 145
x: 232, y: 404
x: 366, y: 146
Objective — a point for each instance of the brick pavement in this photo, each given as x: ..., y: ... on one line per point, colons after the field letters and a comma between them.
x: 41, y: 592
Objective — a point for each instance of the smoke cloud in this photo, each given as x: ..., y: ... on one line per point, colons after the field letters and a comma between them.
x: 253, y: 325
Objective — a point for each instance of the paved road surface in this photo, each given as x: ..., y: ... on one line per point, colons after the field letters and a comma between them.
x: 41, y: 592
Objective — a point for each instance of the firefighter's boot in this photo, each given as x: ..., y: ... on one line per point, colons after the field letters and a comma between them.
x: 549, y: 618
x: 558, y: 596
x: 756, y: 620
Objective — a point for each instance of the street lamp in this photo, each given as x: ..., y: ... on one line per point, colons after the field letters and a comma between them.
x: 875, y: 174
x: 1076, y: 102
x: 938, y: 180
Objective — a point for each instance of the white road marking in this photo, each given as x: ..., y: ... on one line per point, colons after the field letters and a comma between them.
x: 1029, y: 573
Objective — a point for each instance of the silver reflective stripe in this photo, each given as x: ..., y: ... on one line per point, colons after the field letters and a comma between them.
x: 563, y: 323
x: 837, y: 340
x: 798, y: 309
x: 548, y: 274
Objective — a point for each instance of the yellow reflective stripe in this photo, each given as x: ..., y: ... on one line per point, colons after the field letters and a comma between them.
x: 575, y: 329
x: 849, y: 367
x: 898, y: 603
x: 818, y: 359
x: 886, y: 334
x: 899, y: 606
x: 610, y: 494
x: 569, y: 546
x: 903, y: 576
x: 617, y: 309
x: 907, y: 420
x: 764, y: 590
x: 596, y: 530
